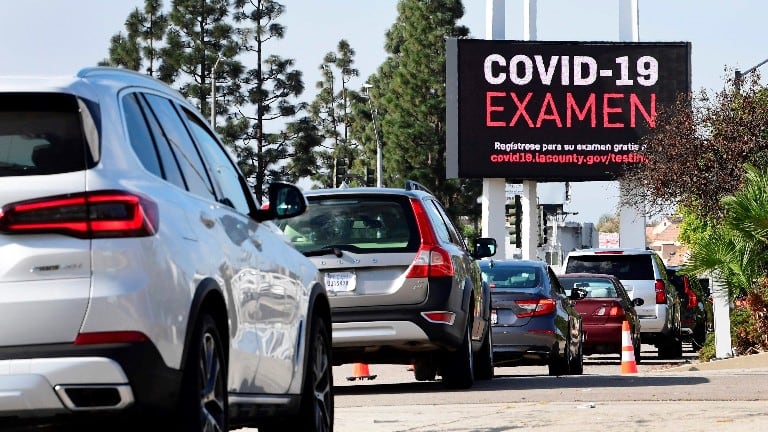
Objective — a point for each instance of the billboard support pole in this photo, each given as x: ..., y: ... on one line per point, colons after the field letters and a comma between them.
x: 494, y: 189
x: 631, y: 219
x: 529, y: 196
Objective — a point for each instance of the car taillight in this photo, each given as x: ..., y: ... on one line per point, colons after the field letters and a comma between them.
x: 89, y: 215
x: 536, y: 307
x: 661, y: 292
x: 611, y: 311
x: 110, y: 337
x: 431, y: 260
x: 693, y: 301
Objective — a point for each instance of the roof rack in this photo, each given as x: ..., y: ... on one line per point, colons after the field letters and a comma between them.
x: 414, y: 185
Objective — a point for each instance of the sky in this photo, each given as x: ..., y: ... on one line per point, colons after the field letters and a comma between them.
x: 44, y: 37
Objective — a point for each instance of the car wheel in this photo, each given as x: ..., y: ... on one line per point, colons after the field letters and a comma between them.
x: 317, y: 406
x: 670, y: 348
x: 576, y: 363
x: 457, y: 368
x: 424, y: 369
x: 484, y: 359
x: 558, y: 364
x: 203, y: 399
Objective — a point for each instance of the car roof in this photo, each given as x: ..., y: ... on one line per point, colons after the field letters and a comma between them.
x: 85, y: 82
x: 511, y: 263
x: 366, y: 191
x: 609, y: 251
x: 587, y: 275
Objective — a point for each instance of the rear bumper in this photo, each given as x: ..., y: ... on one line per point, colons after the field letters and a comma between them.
x: 603, y: 338
x: 67, y: 381
x: 393, y: 334
x: 513, y: 346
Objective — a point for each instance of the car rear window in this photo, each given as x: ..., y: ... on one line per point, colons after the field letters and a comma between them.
x: 41, y: 133
x: 624, y: 267
x: 597, y: 288
x: 360, y: 224
x: 517, y: 277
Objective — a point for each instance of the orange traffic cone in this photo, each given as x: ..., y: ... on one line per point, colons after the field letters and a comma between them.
x: 628, y: 364
x: 360, y: 372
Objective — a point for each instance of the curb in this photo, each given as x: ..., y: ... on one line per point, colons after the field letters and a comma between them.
x: 751, y: 361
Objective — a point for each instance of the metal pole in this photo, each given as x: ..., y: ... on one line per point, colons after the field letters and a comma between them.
x: 379, y: 161
x: 213, y: 92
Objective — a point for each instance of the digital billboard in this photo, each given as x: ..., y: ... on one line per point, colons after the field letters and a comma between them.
x: 556, y: 111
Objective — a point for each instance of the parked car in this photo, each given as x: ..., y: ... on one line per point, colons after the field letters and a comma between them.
x: 534, y: 321
x: 140, y: 282
x: 604, y: 305
x: 693, y: 313
x: 404, y: 287
x: 643, y: 274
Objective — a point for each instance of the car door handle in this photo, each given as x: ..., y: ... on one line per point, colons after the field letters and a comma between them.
x: 208, y: 221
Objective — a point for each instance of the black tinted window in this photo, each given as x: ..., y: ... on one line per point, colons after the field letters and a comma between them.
x: 624, y: 267
x: 140, y: 136
x: 187, y: 155
x: 168, y: 159
x: 40, y: 134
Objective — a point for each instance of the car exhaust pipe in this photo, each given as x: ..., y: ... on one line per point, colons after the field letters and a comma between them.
x: 95, y: 397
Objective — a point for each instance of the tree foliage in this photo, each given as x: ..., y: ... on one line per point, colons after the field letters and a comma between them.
x: 697, y: 152
x: 271, y: 86
x: 145, y: 29
x: 608, y: 223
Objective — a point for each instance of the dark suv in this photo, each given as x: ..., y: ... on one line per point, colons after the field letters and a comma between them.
x: 403, y: 286
x: 693, y: 317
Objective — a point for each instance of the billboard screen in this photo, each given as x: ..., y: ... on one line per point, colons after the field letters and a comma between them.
x: 556, y: 111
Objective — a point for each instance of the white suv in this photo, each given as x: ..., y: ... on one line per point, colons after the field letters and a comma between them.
x: 644, y: 276
x: 139, y: 277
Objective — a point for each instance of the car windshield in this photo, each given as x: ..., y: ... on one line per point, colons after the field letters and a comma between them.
x: 624, y: 267
x: 513, y: 278
x: 360, y: 224
x: 595, y: 288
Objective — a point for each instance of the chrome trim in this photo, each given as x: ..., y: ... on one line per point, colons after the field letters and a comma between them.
x: 123, y: 390
x: 259, y: 400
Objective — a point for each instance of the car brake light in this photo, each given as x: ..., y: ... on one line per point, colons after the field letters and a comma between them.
x: 534, y: 307
x: 104, y: 214
x: 661, y: 292
x: 693, y: 301
x: 431, y: 260
x: 611, y: 311
x: 110, y: 337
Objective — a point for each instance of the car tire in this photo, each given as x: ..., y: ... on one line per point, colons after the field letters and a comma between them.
x: 484, y: 358
x: 203, y: 400
x: 458, y: 366
x: 557, y: 365
x: 638, y: 347
x: 424, y: 369
x: 576, y: 363
x: 316, y: 412
x: 670, y: 348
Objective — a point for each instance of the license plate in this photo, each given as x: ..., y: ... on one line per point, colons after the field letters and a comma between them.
x: 340, y: 282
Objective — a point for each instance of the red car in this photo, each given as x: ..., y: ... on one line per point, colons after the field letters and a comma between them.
x: 604, y: 305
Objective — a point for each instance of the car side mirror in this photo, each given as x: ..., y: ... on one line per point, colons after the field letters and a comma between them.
x: 285, y: 201
x: 484, y: 247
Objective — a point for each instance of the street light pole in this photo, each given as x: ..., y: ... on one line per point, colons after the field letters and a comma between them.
x: 738, y: 75
x: 379, y: 162
x: 213, y: 92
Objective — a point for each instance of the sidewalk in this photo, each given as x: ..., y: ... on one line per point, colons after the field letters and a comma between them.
x: 751, y: 361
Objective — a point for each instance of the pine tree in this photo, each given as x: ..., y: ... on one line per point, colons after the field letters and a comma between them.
x: 332, y: 111
x: 411, y: 84
x: 270, y: 88
x: 199, y: 40
x: 145, y: 29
